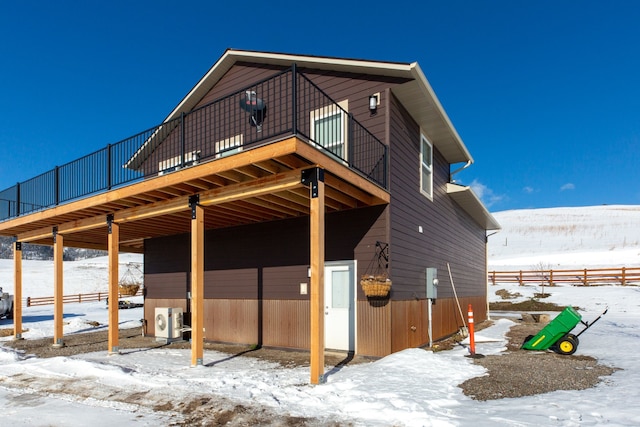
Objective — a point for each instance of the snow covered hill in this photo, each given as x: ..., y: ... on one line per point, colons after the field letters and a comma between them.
x: 580, y: 237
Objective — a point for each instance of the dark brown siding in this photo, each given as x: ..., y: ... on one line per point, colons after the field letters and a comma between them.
x: 449, y: 234
x: 165, y: 285
x: 240, y: 283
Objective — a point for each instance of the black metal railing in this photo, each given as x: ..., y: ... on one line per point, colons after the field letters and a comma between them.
x: 287, y: 103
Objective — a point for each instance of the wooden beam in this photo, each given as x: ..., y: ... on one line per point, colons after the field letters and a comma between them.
x: 197, y: 283
x: 113, y: 244
x: 17, y: 290
x: 58, y: 253
x: 204, y: 170
x: 316, y: 305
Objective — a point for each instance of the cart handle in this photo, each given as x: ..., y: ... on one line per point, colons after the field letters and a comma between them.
x: 590, y: 324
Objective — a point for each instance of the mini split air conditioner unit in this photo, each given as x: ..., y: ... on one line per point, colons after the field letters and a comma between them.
x: 169, y: 323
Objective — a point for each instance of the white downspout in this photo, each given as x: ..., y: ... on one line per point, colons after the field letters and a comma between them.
x: 466, y: 165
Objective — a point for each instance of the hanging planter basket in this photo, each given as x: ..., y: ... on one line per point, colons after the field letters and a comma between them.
x: 129, y: 289
x: 376, y: 286
x: 129, y: 284
x: 375, y: 282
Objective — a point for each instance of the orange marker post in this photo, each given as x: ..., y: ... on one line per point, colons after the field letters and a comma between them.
x: 472, y: 341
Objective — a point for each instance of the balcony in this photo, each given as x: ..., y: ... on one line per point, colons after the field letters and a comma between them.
x: 270, y: 111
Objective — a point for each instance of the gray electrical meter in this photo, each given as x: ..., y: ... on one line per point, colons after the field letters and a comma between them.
x: 432, y: 283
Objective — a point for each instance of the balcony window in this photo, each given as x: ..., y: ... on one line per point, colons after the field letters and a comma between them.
x: 329, y: 128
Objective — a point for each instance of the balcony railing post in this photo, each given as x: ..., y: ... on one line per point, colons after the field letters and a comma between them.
x: 56, y: 184
x: 17, y: 201
x: 182, y: 141
x: 349, y: 153
x: 294, y: 95
x: 109, y: 178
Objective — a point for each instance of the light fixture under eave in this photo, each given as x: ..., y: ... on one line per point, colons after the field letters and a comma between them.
x: 373, y: 103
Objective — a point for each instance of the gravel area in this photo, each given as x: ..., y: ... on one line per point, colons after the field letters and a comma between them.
x: 518, y: 373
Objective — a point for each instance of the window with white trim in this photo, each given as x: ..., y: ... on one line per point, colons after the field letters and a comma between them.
x: 426, y: 167
x: 228, y: 146
x: 329, y: 128
x: 175, y: 163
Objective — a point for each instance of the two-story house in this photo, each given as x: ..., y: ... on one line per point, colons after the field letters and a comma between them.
x: 261, y: 202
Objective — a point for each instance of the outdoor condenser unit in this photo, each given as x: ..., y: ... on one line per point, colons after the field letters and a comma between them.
x: 169, y: 322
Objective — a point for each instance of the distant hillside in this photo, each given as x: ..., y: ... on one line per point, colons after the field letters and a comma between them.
x: 567, y: 237
x: 39, y: 252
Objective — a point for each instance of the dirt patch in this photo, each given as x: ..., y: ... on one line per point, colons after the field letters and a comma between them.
x: 528, y: 305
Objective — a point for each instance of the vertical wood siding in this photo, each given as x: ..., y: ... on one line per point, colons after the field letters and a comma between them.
x: 374, y: 328
x: 410, y: 320
x: 286, y: 324
x: 231, y: 320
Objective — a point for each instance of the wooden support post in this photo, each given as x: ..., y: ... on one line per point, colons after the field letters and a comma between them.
x: 624, y: 276
x: 197, y: 282
x: 316, y: 305
x: 113, y: 246
x: 58, y: 295
x: 17, y: 291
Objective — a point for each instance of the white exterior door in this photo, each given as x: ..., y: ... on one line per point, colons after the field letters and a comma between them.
x: 339, y: 313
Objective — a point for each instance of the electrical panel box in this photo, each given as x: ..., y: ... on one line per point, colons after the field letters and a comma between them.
x: 432, y: 283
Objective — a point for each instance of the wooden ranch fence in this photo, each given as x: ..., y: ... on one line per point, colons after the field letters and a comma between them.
x: 584, y: 277
x: 98, y: 296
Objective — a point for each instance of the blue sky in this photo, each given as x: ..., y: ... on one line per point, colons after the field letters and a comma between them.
x: 545, y: 94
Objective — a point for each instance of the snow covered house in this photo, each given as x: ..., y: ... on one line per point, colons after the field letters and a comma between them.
x: 261, y: 202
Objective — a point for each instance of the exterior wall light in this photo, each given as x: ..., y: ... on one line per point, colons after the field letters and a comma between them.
x: 373, y: 103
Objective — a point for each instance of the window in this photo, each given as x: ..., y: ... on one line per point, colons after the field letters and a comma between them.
x: 228, y: 146
x: 175, y: 163
x: 328, y: 128
x: 426, y: 167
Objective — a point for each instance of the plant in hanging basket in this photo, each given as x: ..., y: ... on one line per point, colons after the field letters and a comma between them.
x: 375, y: 286
x: 129, y: 289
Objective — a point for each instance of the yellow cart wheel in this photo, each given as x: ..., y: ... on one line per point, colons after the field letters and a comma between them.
x: 566, y: 345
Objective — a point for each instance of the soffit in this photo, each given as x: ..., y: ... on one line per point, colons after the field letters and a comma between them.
x: 469, y: 202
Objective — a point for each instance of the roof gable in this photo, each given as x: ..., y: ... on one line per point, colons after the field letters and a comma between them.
x: 416, y: 94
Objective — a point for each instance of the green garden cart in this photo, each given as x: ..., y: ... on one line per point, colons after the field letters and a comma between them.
x: 557, y: 336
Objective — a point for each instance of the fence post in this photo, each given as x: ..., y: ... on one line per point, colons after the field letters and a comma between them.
x: 520, y: 279
x: 28, y: 301
x: 624, y: 276
x: 550, y: 277
x: 493, y: 277
x: 585, y: 277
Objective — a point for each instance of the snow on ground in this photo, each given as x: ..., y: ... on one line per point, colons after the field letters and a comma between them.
x: 566, y: 238
x: 413, y: 387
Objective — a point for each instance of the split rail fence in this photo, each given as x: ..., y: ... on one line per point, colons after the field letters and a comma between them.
x: 75, y: 298
x: 584, y: 277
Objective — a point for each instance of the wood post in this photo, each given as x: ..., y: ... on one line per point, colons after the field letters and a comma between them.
x: 17, y: 290
x: 58, y: 253
x: 197, y: 282
x: 624, y: 276
x: 113, y: 246
x: 316, y: 304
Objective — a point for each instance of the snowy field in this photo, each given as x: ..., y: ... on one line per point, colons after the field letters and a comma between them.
x: 566, y: 238
x: 409, y: 388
